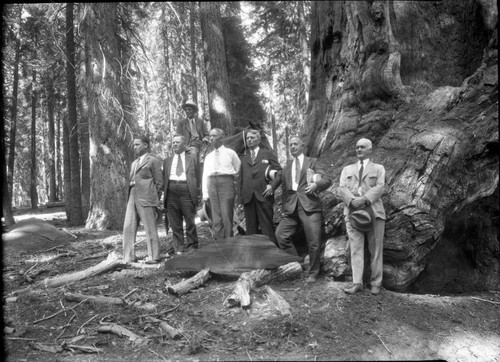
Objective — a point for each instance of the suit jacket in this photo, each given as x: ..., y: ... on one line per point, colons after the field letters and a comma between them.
x: 148, y: 180
x: 184, y: 128
x: 252, y: 178
x: 193, y: 175
x: 372, y: 186
x: 311, y: 202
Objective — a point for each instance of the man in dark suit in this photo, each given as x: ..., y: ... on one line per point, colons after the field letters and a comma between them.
x: 192, y: 128
x: 256, y: 191
x: 303, y: 180
x: 182, y: 177
x: 146, y: 184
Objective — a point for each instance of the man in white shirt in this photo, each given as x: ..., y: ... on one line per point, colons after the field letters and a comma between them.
x: 182, y: 176
x: 220, y: 178
x: 361, y: 188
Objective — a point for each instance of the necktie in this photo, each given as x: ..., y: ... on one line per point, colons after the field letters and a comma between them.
x: 179, y: 170
x: 297, y: 170
x: 252, y: 153
x: 360, y: 173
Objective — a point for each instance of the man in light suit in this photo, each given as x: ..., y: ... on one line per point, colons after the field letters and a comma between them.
x: 182, y: 178
x: 192, y: 128
x: 303, y: 180
x: 146, y: 184
x: 361, y: 188
x: 255, y: 190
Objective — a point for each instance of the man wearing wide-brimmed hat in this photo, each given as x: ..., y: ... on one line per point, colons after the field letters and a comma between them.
x: 361, y: 187
x: 192, y: 128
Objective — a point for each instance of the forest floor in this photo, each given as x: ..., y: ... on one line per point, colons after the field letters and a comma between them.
x: 325, y: 323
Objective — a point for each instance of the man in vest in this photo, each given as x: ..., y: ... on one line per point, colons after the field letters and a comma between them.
x: 192, y: 128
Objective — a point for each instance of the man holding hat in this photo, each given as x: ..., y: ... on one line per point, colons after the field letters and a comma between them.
x: 192, y: 128
x: 361, y: 188
x: 257, y: 186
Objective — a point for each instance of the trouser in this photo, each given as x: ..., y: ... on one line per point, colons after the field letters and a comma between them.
x: 133, y: 215
x: 180, y: 208
x: 221, y: 195
x: 259, y: 213
x: 375, y: 238
x: 311, y: 221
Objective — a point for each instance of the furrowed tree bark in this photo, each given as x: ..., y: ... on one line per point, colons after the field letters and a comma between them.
x: 428, y: 101
x: 256, y: 278
x: 51, y: 140
x: 214, y: 51
x: 33, y: 151
x: 74, y: 202
x: 112, y: 124
x: 192, y: 283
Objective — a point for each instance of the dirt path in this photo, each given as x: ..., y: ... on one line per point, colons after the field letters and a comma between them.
x: 325, y: 324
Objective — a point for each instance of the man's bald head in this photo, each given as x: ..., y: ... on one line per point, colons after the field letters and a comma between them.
x: 363, y: 148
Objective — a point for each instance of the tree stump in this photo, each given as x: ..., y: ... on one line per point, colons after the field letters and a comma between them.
x: 189, y: 284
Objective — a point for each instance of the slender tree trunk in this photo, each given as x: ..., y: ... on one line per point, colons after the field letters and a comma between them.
x: 51, y: 142
x: 33, y: 173
x: 216, y: 67
x: 9, y: 165
x: 59, y: 172
x: 66, y: 164
x: 74, y: 202
x: 7, y: 201
x: 304, y: 54
x: 85, y: 146
x: 192, y: 32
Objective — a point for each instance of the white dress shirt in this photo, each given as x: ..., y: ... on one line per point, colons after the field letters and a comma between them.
x: 173, y: 168
x: 295, y: 185
x: 228, y: 164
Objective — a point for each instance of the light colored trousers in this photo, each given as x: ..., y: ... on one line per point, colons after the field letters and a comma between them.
x: 133, y: 215
x: 221, y: 194
x: 375, y: 239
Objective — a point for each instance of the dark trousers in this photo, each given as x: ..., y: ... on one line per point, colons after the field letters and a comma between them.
x: 258, y: 213
x: 180, y: 208
x: 311, y: 221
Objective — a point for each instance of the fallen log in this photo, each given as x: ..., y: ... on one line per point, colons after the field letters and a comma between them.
x: 277, y: 301
x: 256, y: 278
x: 78, y: 297
x: 172, y: 332
x: 122, y: 332
x: 112, y: 262
x: 189, y: 284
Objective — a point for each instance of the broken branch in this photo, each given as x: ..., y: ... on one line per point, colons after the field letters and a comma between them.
x: 189, y: 284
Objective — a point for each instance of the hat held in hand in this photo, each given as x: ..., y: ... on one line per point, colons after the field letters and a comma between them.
x: 270, y: 174
x: 190, y: 103
x: 360, y: 220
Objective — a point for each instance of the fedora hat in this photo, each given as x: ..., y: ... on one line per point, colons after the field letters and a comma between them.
x: 190, y: 103
x: 360, y: 220
x: 270, y: 174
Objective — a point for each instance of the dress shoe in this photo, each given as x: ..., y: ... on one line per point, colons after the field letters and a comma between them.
x: 354, y: 289
x: 375, y: 290
x: 311, y: 279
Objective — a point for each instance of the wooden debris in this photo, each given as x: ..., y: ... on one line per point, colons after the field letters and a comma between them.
x: 254, y: 279
x: 189, y: 284
x: 145, y: 266
x: 83, y: 349
x: 112, y: 262
x: 277, y: 301
x: 172, y: 332
x: 122, y: 332
x: 77, y: 297
x: 485, y: 300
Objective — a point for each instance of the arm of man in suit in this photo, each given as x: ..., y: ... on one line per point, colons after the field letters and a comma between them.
x: 204, y: 136
x: 274, y: 184
x: 157, y: 176
x: 319, y: 185
x: 375, y: 193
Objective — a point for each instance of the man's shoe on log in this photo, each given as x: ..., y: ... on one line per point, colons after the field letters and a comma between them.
x: 375, y: 290
x: 148, y: 260
x: 312, y: 279
x: 356, y: 288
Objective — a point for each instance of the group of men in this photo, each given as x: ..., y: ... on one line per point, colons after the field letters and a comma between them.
x: 226, y: 179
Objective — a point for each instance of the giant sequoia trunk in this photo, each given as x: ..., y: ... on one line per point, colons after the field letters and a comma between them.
x: 420, y: 80
x: 110, y: 116
x: 214, y: 51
